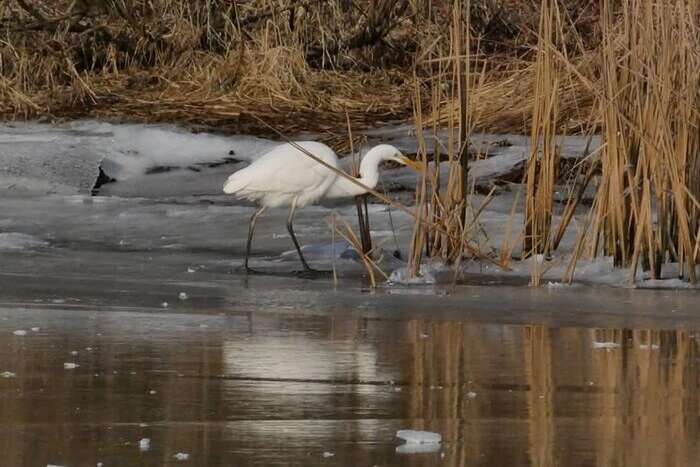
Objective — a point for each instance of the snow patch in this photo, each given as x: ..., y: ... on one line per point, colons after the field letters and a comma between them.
x: 8, y: 375
x: 145, y: 444
x: 181, y: 456
x: 13, y: 241
x: 131, y: 149
x: 20, y: 332
x: 70, y: 366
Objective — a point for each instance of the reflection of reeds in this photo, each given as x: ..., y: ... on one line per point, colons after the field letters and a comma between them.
x: 540, y: 405
x: 647, y: 404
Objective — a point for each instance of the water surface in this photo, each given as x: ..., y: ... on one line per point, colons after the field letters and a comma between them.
x: 283, y: 388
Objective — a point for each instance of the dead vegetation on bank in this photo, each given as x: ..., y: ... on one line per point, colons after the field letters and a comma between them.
x: 639, y: 87
x: 297, y: 64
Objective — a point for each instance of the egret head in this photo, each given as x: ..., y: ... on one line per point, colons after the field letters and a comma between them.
x: 390, y: 153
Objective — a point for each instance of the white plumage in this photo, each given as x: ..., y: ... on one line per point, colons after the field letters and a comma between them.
x: 285, y: 173
x: 286, y: 176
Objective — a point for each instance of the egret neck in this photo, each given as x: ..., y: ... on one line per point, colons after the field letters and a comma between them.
x: 369, y: 172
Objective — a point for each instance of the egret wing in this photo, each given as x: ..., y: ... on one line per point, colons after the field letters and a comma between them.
x: 284, y: 170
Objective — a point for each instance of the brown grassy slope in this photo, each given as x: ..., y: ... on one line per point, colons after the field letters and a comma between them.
x: 299, y: 65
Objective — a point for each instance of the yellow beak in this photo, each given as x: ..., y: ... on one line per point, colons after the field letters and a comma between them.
x: 415, y: 165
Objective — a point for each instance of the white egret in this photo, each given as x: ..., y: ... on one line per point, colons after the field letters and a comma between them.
x: 286, y: 176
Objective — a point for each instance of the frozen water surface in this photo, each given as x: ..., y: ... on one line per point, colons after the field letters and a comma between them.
x: 275, y: 369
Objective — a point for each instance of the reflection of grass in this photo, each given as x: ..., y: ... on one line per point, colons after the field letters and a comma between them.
x: 563, y: 401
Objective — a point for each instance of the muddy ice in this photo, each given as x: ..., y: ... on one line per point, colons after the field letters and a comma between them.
x: 139, y: 325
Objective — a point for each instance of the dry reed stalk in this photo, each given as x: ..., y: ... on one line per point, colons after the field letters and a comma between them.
x: 576, y: 193
x: 420, y: 233
x: 447, y: 208
x: 647, y: 200
x: 541, y: 174
x: 509, y: 244
x: 346, y: 231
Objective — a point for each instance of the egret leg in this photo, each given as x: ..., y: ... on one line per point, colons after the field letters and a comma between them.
x: 251, y: 231
x: 290, y: 229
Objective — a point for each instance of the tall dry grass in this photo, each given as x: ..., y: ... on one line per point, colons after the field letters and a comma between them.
x: 543, y: 162
x: 646, y: 210
x: 640, y: 87
x: 452, y: 79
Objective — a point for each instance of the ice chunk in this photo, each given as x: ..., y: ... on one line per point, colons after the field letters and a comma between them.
x: 419, y: 437
x: 7, y: 374
x: 20, y: 332
x: 36, y: 329
x: 164, y: 304
x: 432, y: 273
x: 605, y: 345
x: 181, y: 456
x: 182, y: 296
x: 145, y: 444
x: 416, y: 448
x: 328, y: 454
x: 471, y: 395
x: 70, y: 366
